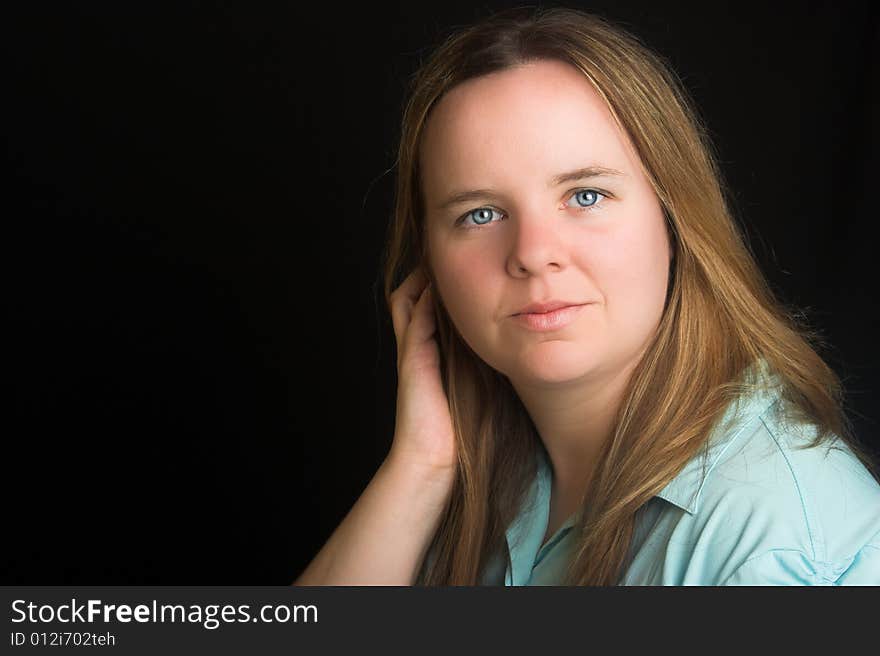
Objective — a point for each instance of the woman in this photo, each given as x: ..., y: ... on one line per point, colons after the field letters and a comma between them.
x: 595, y: 384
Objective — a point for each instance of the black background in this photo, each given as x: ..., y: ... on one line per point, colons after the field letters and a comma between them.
x: 200, y: 365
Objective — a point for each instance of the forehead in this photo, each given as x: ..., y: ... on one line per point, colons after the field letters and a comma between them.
x: 542, y: 118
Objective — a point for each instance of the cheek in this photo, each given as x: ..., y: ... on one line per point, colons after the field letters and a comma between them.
x: 464, y: 283
x: 635, y: 268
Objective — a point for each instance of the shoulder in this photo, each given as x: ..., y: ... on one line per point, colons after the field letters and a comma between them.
x: 773, y: 510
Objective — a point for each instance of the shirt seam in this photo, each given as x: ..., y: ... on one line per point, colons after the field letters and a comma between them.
x: 746, y: 423
x: 771, y: 551
x: 804, y: 506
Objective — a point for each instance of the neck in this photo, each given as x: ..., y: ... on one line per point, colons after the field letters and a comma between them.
x: 574, y: 420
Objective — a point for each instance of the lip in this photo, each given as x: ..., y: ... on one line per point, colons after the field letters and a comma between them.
x: 549, y: 306
x: 553, y: 320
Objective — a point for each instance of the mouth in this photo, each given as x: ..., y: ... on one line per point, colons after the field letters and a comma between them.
x: 547, y: 306
x: 552, y: 320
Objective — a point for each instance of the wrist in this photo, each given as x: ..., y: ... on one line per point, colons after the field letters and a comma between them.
x: 423, y: 469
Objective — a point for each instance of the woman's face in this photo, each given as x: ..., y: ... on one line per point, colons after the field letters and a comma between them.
x: 528, y: 237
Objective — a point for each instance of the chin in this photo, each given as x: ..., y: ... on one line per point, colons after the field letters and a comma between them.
x: 554, y: 363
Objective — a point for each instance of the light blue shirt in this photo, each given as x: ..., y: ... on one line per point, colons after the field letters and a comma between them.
x: 763, y: 514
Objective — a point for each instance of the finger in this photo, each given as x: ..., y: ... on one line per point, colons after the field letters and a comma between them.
x: 414, y: 284
x: 401, y: 314
x: 405, y: 297
x: 422, y: 322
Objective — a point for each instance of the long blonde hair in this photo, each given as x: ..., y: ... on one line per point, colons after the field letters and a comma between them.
x: 720, y: 316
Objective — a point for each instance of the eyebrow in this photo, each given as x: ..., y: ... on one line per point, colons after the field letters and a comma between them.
x: 584, y: 173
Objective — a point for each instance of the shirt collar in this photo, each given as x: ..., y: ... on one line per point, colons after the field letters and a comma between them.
x: 684, y: 489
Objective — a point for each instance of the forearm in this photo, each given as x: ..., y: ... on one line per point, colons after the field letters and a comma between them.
x: 385, y: 536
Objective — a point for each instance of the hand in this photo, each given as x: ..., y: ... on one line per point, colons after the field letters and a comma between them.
x: 423, y: 432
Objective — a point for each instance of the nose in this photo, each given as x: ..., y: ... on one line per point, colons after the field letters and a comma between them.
x: 536, y: 245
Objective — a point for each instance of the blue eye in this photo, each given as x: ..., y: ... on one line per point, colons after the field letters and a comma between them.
x: 589, y: 196
x: 486, y: 215
x: 588, y: 200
